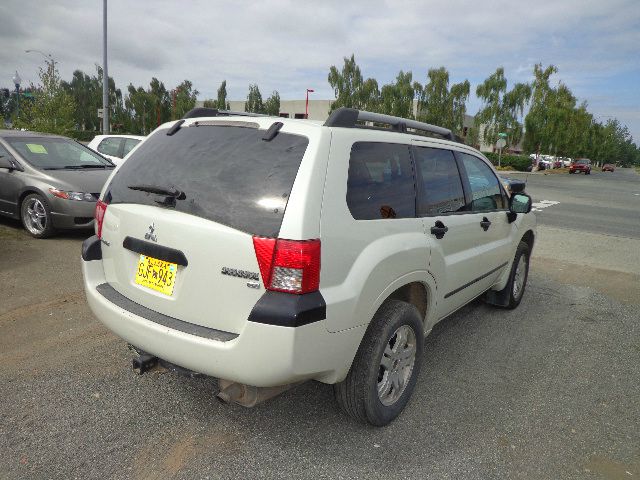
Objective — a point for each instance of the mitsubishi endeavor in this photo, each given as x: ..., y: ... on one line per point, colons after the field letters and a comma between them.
x: 266, y: 251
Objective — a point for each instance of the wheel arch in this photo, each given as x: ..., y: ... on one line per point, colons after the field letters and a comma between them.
x: 529, y: 238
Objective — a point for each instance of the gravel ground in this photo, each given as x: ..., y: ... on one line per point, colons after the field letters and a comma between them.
x: 550, y: 390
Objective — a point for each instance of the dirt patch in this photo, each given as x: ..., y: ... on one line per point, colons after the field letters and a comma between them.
x: 623, y: 286
x: 164, y: 461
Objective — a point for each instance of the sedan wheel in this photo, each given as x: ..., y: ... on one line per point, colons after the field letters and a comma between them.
x: 36, y: 217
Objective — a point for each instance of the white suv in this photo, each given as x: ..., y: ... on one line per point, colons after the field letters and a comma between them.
x: 267, y: 251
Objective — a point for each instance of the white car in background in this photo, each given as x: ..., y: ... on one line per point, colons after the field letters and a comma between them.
x: 114, y: 147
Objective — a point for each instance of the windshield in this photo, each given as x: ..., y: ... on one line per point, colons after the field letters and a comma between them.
x: 57, y: 153
x: 227, y: 174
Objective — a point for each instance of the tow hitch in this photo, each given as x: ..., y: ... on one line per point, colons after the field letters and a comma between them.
x: 144, y: 362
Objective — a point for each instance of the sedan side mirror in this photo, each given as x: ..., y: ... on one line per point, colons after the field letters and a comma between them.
x: 520, y: 203
x: 10, y: 163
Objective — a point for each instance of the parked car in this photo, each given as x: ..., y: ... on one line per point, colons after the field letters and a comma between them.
x: 49, y: 182
x: 266, y: 251
x: 608, y: 167
x: 114, y: 147
x: 581, y: 165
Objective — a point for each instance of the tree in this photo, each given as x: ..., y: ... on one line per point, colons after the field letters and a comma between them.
x: 140, y: 104
x: 254, y: 100
x: 272, y: 104
x: 538, y: 134
x: 397, y: 98
x: 223, y: 104
x: 161, y: 102
x: 501, y: 110
x: 439, y: 105
x: 351, y: 90
x: 184, y: 99
x: 52, y: 108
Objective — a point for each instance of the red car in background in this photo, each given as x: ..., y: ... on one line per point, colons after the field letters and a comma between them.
x: 581, y: 165
x: 608, y: 167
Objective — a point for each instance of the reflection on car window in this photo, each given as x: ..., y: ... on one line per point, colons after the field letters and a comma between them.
x: 441, y: 185
x: 56, y: 153
x: 380, y: 183
x: 110, y: 146
x: 129, y: 143
x: 485, y: 189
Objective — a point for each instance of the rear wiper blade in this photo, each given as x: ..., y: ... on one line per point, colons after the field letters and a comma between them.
x: 79, y: 167
x: 169, y: 192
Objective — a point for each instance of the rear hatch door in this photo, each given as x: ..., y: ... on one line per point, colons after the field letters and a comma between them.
x: 221, y: 185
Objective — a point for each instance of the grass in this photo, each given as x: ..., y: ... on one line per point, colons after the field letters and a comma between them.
x: 555, y: 171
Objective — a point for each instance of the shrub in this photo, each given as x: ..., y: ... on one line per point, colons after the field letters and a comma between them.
x: 516, y: 162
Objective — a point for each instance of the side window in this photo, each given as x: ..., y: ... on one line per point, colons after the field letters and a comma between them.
x: 485, y: 188
x: 4, y: 152
x: 441, y: 190
x: 129, y: 143
x: 381, y: 183
x: 110, y: 146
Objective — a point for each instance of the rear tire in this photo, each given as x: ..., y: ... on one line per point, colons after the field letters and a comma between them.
x: 386, y: 366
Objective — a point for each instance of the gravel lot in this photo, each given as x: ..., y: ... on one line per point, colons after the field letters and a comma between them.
x: 550, y: 390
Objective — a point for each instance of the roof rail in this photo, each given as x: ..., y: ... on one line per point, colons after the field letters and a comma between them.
x: 214, y: 112
x: 349, y: 118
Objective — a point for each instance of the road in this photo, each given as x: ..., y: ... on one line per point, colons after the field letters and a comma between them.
x: 549, y: 390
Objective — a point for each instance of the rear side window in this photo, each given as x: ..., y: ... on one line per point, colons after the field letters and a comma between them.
x: 129, y: 143
x: 110, y: 146
x: 381, y: 182
x: 441, y: 187
x: 228, y: 173
x: 485, y: 188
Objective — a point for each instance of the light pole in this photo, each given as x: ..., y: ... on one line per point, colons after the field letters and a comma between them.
x: 47, y: 56
x: 306, y: 108
x: 105, y: 74
x: 16, y: 81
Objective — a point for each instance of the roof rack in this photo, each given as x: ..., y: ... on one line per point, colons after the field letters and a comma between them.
x: 349, y: 118
x: 214, y: 112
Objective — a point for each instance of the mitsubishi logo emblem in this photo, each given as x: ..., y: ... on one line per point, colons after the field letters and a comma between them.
x: 150, y: 235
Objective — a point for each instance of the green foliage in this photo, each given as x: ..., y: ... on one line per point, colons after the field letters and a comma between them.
x: 502, y: 110
x: 439, y: 105
x: 52, y: 108
x: 517, y: 162
x: 254, y: 102
x: 272, y: 104
x: 184, y: 99
x: 351, y: 90
x: 222, y: 96
x: 397, y: 98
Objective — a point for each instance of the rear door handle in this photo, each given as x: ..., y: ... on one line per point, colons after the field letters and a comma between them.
x: 439, y: 229
x: 485, y: 223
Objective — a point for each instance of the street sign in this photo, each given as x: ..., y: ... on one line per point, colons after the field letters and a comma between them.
x: 501, y: 143
x: 100, y: 112
x: 502, y: 135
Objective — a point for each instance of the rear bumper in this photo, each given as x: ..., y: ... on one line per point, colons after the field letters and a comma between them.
x: 261, y: 355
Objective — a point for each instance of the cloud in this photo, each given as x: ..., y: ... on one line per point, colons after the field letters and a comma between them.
x: 289, y: 45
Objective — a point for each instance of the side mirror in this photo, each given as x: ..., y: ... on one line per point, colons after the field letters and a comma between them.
x: 9, y: 163
x: 520, y: 203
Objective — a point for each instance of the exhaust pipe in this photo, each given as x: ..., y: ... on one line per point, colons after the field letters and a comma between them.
x: 248, y: 395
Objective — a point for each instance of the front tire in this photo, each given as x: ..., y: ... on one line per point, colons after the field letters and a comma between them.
x: 386, y: 367
x: 36, y: 216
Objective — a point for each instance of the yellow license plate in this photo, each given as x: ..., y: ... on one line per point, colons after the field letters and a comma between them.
x: 156, y: 274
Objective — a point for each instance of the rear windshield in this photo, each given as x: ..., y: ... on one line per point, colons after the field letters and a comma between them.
x: 228, y: 174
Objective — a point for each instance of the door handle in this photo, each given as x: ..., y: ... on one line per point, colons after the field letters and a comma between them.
x: 439, y: 229
x: 485, y: 223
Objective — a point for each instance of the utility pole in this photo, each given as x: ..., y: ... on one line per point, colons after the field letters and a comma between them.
x: 105, y: 73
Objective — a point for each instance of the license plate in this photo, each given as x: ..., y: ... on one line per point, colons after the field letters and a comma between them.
x: 156, y: 274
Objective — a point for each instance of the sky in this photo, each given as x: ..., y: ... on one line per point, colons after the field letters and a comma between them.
x: 289, y: 45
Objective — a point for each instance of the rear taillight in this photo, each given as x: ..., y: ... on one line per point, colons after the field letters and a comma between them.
x: 101, y: 209
x: 291, y: 266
